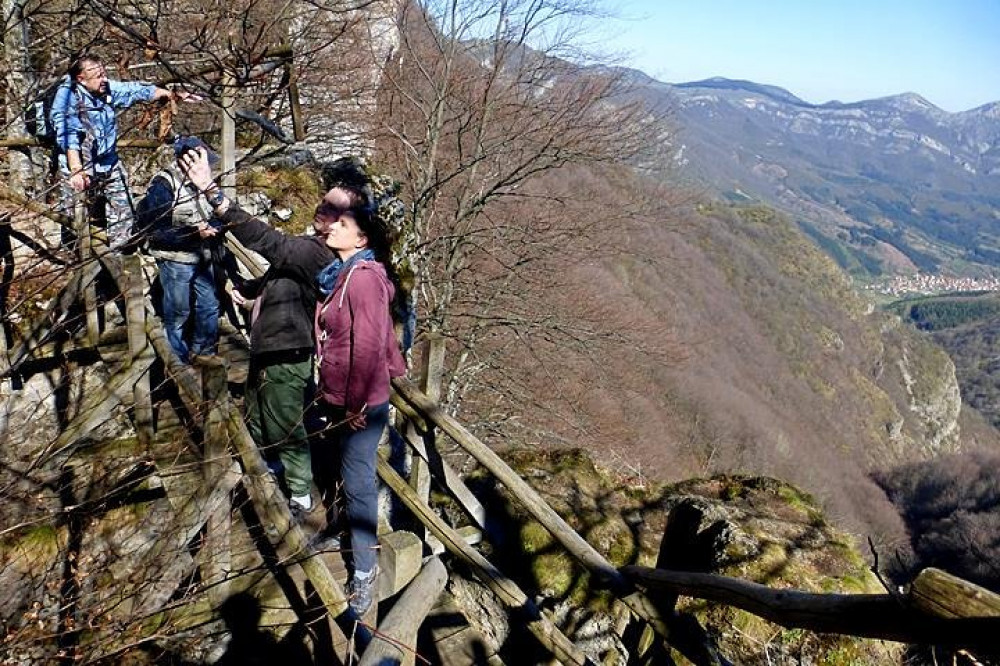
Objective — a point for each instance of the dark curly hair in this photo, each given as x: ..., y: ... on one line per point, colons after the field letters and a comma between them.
x: 348, y: 173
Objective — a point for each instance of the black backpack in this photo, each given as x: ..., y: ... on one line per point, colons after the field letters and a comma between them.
x: 37, y: 116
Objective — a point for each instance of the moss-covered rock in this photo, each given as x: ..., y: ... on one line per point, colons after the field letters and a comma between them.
x: 755, y: 528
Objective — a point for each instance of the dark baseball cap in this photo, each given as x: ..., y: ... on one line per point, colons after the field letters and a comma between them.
x: 191, y: 142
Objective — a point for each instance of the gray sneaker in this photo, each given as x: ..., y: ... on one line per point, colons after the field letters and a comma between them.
x: 361, y: 591
x: 299, y: 512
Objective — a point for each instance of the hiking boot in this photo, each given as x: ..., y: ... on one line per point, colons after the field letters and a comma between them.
x: 299, y: 512
x: 361, y: 591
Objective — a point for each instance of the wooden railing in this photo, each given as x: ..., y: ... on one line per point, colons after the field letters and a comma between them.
x: 937, y: 607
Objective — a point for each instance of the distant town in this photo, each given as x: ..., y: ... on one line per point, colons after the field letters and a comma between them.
x: 922, y: 284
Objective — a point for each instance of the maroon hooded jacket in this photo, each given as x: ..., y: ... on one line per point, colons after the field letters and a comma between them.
x: 355, y: 341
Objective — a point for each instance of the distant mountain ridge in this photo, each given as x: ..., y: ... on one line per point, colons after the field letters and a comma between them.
x: 884, y: 186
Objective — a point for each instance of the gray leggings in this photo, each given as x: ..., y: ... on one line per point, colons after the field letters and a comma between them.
x: 348, y: 457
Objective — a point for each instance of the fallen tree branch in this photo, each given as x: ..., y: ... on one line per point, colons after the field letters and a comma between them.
x: 863, y: 615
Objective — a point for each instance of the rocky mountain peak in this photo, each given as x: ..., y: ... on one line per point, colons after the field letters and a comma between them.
x: 887, y: 185
x: 739, y: 85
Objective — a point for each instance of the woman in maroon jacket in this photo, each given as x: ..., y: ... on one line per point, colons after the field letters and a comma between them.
x: 358, y: 354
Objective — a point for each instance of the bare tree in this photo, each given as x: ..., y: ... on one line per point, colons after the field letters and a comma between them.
x: 506, y: 147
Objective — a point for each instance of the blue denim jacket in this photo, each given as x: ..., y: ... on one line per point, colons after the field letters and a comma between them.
x: 101, y: 121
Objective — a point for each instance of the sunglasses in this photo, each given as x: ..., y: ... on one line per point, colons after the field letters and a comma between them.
x: 331, y: 211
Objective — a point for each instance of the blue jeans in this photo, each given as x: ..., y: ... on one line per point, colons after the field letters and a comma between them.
x: 348, y: 457
x: 181, y: 283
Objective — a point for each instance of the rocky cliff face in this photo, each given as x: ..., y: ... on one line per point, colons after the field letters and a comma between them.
x: 924, y: 381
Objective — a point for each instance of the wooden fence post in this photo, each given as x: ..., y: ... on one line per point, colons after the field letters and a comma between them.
x: 506, y: 589
x: 397, y: 637
x: 430, y: 382
x: 298, y: 125
x: 228, y: 178
x: 86, y: 256
x: 6, y: 277
x: 138, y: 346
x: 215, y: 390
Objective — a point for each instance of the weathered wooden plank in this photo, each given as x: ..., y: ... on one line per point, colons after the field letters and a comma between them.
x: 506, y: 589
x: 83, y: 233
x: 279, y: 525
x: 456, y: 642
x: 939, y: 593
x: 532, y: 501
x: 216, y: 547
x: 55, y: 312
x: 96, y: 409
x: 193, y: 500
x: 434, y: 466
x: 397, y: 637
x: 400, y: 557
x: 135, y: 316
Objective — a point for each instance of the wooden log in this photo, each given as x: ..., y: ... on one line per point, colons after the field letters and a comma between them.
x: 294, y: 103
x: 55, y: 312
x: 96, y: 409
x: 36, y: 207
x: 399, y: 560
x: 244, y: 256
x: 277, y: 519
x: 135, y: 316
x: 227, y: 179
x: 87, y: 256
x: 506, y: 590
x: 430, y: 383
x: 396, y: 639
x: 532, y: 501
x: 6, y: 277
x: 216, y: 547
x: 577, y: 546
x: 864, y: 615
x: 450, y: 480
x: 469, y: 533
x: 941, y: 594
x: 428, y: 463
x: 31, y: 142
x: 192, y: 509
x: 681, y: 547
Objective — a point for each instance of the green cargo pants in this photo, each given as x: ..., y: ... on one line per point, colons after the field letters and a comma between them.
x: 277, y: 395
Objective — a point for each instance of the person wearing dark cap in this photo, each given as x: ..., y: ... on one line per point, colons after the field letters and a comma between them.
x: 280, y: 384
x: 180, y: 226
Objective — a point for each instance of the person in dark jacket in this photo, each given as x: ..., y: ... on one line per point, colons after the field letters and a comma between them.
x: 280, y: 385
x: 179, y: 225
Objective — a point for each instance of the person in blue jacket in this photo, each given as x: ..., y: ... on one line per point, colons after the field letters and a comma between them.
x: 84, y: 117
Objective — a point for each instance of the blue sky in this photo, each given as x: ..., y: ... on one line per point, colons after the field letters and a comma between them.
x: 948, y: 51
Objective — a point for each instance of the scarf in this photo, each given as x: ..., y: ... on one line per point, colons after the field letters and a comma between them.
x: 326, y: 279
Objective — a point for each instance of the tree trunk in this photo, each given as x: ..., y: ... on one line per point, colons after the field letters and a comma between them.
x: 17, y: 85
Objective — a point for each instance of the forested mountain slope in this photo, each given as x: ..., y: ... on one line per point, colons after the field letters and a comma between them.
x: 779, y: 367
